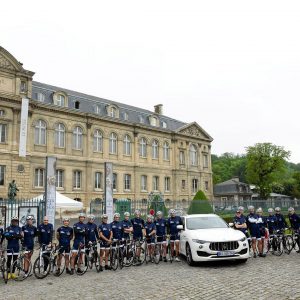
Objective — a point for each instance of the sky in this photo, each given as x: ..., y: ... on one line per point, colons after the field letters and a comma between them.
x: 231, y: 66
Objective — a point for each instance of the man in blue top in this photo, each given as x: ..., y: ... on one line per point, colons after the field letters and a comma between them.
x: 173, y: 222
x: 105, y: 234
x: 127, y: 226
x: 138, y: 226
x: 261, y: 223
x: 149, y: 232
x: 29, y: 233
x: 161, y: 226
x: 64, y: 235
x: 271, y: 221
x: 239, y: 222
x: 92, y: 235
x: 80, y: 231
x: 295, y: 224
x: 117, y: 228
x: 280, y: 220
x: 13, y: 234
x: 253, y: 228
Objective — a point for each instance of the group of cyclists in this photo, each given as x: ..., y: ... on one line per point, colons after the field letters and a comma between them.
x: 257, y: 227
x: 151, y: 231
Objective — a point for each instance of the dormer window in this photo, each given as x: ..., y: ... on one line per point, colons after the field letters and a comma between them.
x: 23, y: 86
x: 113, y: 112
x: 97, y: 109
x: 125, y: 116
x: 141, y: 119
x: 60, y: 101
x: 76, y: 104
x: 40, y: 97
x: 154, y: 121
x: 164, y: 124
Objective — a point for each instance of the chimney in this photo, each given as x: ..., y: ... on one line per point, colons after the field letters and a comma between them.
x: 158, y: 109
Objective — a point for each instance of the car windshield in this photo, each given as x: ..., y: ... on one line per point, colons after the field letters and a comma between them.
x: 205, y: 223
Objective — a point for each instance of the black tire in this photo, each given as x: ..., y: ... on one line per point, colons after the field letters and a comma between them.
x: 157, y: 253
x: 121, y: 258
x: 97, y: 261
x: 114, y: 259
x: 4, y: 271
x: 171, y: 257
x: 289, y: 244
x: 129, y: 256
x: 62, y: 266
x: 189, y: 256
x: 278, y: 247
x: 39, y: 267
x: 81, y: 269
x: 18, y: 266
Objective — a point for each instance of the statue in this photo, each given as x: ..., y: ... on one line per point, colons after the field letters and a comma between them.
x: 12, y: 190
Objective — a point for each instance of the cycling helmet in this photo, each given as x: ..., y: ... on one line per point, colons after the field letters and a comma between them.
x: 241, y: 208
x: 150, y: 217
x: 29, y: 218
x: 259, y: 210
x: 137, y: 212
x: 104, y: 216
x: 291, y: 209
x: 116, y: 215
x: 270, y: 210
x: 251, y: 207
x: 126, y: 214
x: 15, y: 218
x: 91, y: 217
x: 172, y: 211
x: 277, y: 209
x: 66, y: 219
x: 81, y: 215
x: 159, y: 213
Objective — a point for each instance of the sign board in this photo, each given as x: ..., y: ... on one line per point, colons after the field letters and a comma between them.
x: 109, y: 202
x: 23, y: 127
x: 50, y: 192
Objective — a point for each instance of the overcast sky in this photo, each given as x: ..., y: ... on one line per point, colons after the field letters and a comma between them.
x: 231, y: 66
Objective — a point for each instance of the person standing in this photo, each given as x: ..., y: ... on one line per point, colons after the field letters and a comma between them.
x: 105, y: 234
x: 173, y: 222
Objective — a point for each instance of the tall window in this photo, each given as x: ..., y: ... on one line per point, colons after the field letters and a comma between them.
x: 97, y: 109
x: 127, y: 145
x: 40, y: 133
x: 154, y: 121
x: 155, y: 149
x: 155, y: 183
x: 77, y: 138
x: 183, y: 184
x: 39, y: 177
x: 125, y: 116
x: 98, y: 141
x: 23, y: 87
x: 205, y: 160
x: 143, y: 183
x: 40, y: 97
x: 59, y: 178
x: 77, y: 180
x: 2, y: 175
x: 60, y: 100
x: 60, y: 135
x: 206, y: 185
x: 143, y: 147
x: 115, y: 181
x: 113, y: 112
x: 98, y: 180
x: 113, y: 143
x: 127, y: 181
x: 181, y: 158
x: 166, y: 151
x: 167, y: 184
x: 3, y: 130
x: 195, y: 185
x: 193, y: 155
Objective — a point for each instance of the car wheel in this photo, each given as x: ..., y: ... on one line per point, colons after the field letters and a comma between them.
x: 189, y: 257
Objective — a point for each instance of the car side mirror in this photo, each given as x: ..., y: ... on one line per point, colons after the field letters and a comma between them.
x: 180, y: 227
x: 231, y: 224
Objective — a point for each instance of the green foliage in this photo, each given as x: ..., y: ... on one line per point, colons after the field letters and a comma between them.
x: 200, y: 205
x: 265, y: 165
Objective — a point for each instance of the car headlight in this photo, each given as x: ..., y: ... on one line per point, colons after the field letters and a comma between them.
x: 200, y: 241
x: 243, y: 239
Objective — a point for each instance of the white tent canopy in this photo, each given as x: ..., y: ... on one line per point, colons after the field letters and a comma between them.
x: 63, y: 202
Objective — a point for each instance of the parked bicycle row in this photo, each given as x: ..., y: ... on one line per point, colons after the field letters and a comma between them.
x: 269, y: 233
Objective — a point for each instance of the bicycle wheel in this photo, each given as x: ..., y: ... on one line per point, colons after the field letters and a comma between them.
x: 90, y: 259
x: 157, y: 253
x: 18, y: 267
x: 41, y: 267
x: 289, y: 244
x: 4, y: 270
x: 114, y: 259
x: 121, y: 258
x: 143, y: 252
x: 170, y: 253
x: 269, y: 245
x: 58, y: 270
x: 128, y: 256
x: 81, y: 263
x: 278, y: 247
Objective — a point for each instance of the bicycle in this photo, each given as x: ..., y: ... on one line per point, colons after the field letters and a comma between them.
x: 19, y: 266
x: 93, y: 256
x: 128, y: 253
x: 116, y: 255
x: 155, y: 257
x: 81, y: 261
x: 170, y: 251
x: 293, y: 241
x: 139, y: 244
x: 3, y: 265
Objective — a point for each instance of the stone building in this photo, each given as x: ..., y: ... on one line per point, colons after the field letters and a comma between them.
x: 149, y: 151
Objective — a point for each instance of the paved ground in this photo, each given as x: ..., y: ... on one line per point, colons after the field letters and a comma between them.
x: 260, y: 278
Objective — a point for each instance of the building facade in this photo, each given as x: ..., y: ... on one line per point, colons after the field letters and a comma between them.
x: 149, y: 151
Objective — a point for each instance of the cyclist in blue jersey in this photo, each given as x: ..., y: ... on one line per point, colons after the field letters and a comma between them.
x: 117, y: 228
x: 262, y: 224
x: 161, y: 226
x: 29, y: 233
x: 295, y: 224
x: 253, y: 228
x: 173, y: 222
x: 280, y: 220
x: 64, y: 235
x: 271, y: 221
x: 80, y: 232
x: 13, y: 234
x: 138, y: 226
x: 127, y: 226
x: 92, y: 235
x: 105, y: 234
x: 239, y: 222
x: 149, y: 233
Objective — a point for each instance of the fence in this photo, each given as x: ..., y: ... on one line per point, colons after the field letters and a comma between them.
x: 22, y: 208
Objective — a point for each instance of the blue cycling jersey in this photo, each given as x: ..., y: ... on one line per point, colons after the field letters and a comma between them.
x: 65, y: 235
x: 252, y: 222
x: 280, y: 222
x: 295, y: 221
x: 92, y: 232
x: 271, y: 223
x: 105, y: 229
x: 172, y: 223
x: 117, y: 230
x: 29, y: 232
x: 240, y: 221
x: 137, y: 224
x: 13, y: 235
x: 45, y: 233
x: 149, y: 227
x: 161, y: 226
x: 126, y: 225
x: 80, y: 231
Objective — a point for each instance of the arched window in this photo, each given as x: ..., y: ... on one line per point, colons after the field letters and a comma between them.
x: 127, y: 145
x: 40, y: 133
x: 113, y: 112
x: 60, y: 100
x: 77, y: 138
x: 59, y: 135
x: 76, y: 104
x: 166, y: 151
x: 143, y: 147
x: 113, y: 143
x: 193, y: 155
x: 154, y: 121
x: 155, y: 149
x: 98, y: 141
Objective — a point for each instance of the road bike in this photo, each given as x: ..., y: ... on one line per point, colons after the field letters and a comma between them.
x: 3, y: 265
x: 93, y: 257
x: 18, y: 267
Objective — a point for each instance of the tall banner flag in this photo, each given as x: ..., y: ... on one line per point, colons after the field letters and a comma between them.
x: 50, y: 192
x: 23, y: 127
x: 109, y: 203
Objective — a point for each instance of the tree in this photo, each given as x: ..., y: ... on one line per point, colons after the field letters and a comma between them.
x: 200, y: 205
x: 265, y: 164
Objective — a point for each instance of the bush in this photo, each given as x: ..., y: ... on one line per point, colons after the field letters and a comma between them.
x: 200, y: 205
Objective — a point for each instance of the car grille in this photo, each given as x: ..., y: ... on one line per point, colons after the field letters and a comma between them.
x: 223, y: 246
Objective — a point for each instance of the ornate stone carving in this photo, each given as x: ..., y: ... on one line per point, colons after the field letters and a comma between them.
x: 192, y: 130
x: 6, y: 64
